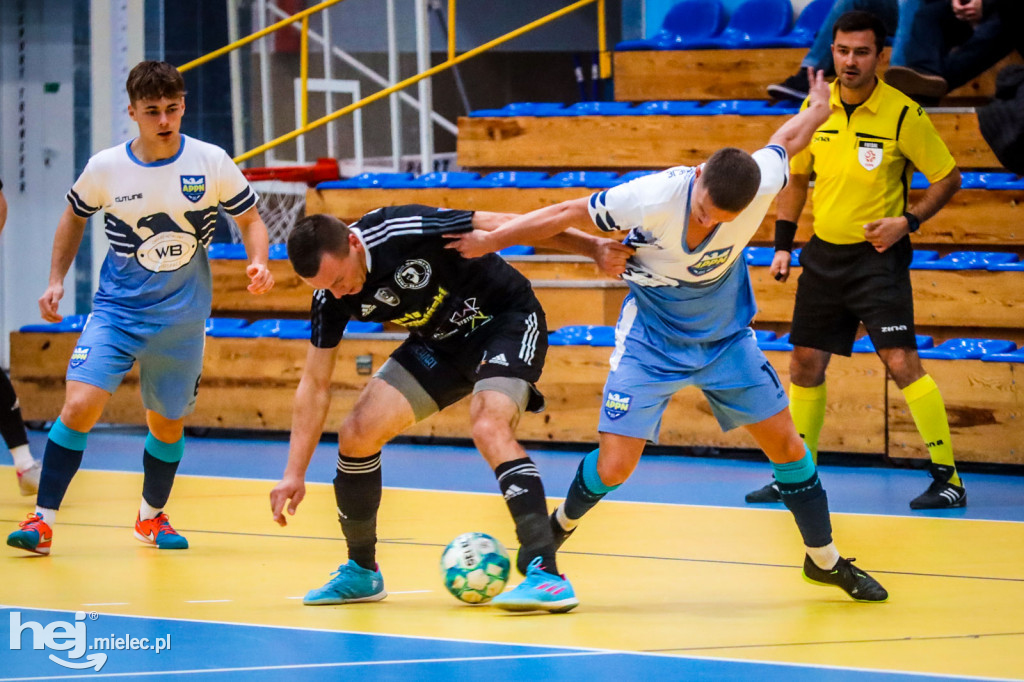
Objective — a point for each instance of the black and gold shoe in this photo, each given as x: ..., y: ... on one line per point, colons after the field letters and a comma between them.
x: 847, y: 577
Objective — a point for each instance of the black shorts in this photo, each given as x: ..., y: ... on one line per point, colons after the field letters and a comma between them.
x: 844, y: 284
x: 511, y: 345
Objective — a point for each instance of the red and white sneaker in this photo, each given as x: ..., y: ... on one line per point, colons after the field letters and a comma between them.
x: 33, y: 535
x: 159, y: 532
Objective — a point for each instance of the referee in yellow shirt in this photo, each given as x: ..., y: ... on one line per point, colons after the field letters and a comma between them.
x: 856, y: 266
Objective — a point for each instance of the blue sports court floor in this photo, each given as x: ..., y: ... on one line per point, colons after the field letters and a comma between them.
x: 677, y: 577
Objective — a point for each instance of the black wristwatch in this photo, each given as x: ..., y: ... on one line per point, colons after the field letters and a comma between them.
x: 913, y: 222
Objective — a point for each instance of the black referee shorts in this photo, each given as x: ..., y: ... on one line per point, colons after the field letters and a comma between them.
x: 843, y: 285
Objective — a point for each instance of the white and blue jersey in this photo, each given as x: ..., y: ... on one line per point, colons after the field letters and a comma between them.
x: 686, y: 319
x: 159, y: 219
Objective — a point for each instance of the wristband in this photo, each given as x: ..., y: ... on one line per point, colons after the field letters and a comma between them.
x: 785, y: 232
x: 913, y: 222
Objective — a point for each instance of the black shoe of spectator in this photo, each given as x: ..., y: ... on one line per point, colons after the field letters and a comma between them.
x: 793, y: 88
x: 916, y: 84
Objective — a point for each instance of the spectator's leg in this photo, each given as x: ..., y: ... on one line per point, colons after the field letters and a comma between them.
x: 991, y: 41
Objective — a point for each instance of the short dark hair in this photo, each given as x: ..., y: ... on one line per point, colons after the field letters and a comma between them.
x: 732, y: 178
x: 858, y: 20
x: 154, y: 80
x: 311, y: 238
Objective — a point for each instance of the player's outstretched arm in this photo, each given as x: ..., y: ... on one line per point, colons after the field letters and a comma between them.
x: 65, y: 245
x: 525, y: 229
x: 795, y: 134
x: 309, y: 412
x: 257, y: 247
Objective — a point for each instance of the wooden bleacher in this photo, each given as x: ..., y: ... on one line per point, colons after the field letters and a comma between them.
x: 656, y: 141
x: 740, y: 74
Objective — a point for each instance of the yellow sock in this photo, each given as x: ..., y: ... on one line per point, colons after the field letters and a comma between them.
x: 929, y: 412
x: 807, y: 407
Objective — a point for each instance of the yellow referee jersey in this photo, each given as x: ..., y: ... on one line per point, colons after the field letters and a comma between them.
x: 864, y: 161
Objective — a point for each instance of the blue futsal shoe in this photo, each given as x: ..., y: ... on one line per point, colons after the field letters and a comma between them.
x: 351, y: 583
x: 540, y: 591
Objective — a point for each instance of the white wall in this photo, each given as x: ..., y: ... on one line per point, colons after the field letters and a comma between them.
x: 36, y: 151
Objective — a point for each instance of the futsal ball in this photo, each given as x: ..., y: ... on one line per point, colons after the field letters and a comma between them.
x: 475, y: 567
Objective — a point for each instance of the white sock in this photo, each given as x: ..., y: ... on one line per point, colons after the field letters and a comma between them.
x: 22, y: 457
x: 49, y: 515
x: 147, y: 512
x: 825, y: 557
x: 564, y: 521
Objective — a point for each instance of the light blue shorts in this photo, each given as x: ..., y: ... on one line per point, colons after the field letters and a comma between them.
x: 170, y: 360
x: 647, y: 370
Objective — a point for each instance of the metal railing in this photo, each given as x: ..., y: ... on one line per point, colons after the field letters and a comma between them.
x: 453, y: 60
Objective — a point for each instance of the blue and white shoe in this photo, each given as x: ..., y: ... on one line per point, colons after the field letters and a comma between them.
x: 540, y: 591
x: 351, y: 583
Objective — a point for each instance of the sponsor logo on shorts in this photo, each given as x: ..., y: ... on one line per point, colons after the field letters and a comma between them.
x: 79, y: 355
x: 894, y: 328
x: 414, y: 274
x: 616, y: 404
x: 425, y: 357
x: 710, y: 261
x: 193, y: 187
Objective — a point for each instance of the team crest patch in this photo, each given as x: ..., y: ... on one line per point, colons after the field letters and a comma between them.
x: 79, y: 355
x: 710, y: 261
x: 616, y: 404
x: 869, y: 154
x: 193, y: 187
x: 414, y: 274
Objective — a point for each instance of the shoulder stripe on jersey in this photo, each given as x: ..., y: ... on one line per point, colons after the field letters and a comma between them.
x: 899, y: 124
x: 394, y: 227
x: 240, y: 203
x: 80, y: 208
x: 778, y: 149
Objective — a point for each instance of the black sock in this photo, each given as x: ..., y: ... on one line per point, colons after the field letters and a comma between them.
x: 12, y: 426
x: 357, y: 490
x: 157, y: 480
x: 60, y: 464
x: 523, y: 491
x: 809, y: 505
x: 580, y: 499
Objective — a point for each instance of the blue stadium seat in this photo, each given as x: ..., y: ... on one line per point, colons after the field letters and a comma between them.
x: 669, y: 108
x: 967, y: 260
x: 285, y: 329
x: 687, y: 21
x: 741, y: 107
x: 764, y: 336
x: 780, y: 344
x: 571, y: 335
x: 923, y: 256
x: 226, y: 251
x: 1017, y: 266
x: 633, y: 175
x: 602, y: 335
x: 278, y: 252
x: 511, y: 179
x: 521, y: 109
x: 864, y: 344
x: 967, y: 349
x: 353, y: 327
x: 755, y: 23
x: 1007, y: 181
x: 367, y: 180
x: 794, y: 261
x: 70, y: 323
x: 919, y: 181
x: 1016, y: 356
x: 759, y: 256
x: 224, y: 326
x: 972, y: 180
x: 443, y: 179
x: 602, y: 179
x: 517, y: 250
x: 594, y: 109
x: 807, y: 24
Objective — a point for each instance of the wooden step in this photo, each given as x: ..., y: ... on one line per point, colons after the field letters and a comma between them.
x: 974, y: 217
x: 632, y: 142
x: 739, y: 74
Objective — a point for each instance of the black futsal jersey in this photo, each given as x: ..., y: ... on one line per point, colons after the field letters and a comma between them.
x: 414, y: 281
